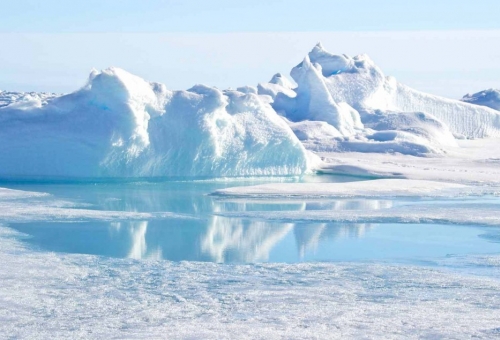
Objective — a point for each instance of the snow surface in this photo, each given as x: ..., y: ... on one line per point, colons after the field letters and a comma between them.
x: 489, y: 98
x: 475, y: 162
x: 57, y: 296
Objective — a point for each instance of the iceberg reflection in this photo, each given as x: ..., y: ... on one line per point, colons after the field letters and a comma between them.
x: 139, y: 248
x: 228, y: 240
x: 236, y: 240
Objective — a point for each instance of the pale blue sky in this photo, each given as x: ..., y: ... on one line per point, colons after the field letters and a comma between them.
x: 447, y: 47
x: 245, y: 16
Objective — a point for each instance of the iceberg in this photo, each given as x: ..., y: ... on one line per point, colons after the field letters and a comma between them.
x: 343, y: 104
x: 489, y: 98
x: 119, y: 125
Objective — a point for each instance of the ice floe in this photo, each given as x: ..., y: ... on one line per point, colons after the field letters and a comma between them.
x: 373, y: 188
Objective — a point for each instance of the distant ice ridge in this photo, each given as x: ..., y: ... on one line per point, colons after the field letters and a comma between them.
x: 348, y: 104
x: 25, y: 99
x: 489, y: 98
x: 120, y: 125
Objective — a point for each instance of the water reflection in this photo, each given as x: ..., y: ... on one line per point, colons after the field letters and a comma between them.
x: 233, y: 240
x: 220, y: 239
x: 139, y: 248
x: 208, y: 238
x: 224, y: 239
x: 310, y: 236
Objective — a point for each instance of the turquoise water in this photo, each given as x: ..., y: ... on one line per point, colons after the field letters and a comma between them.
x: 205, y: 236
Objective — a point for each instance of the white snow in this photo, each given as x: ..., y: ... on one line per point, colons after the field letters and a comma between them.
x: 474, y: 162
x: 489, y: 98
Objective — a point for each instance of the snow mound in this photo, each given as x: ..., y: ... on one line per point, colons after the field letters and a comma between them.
x: 120, y: 125
x: 489, y: 98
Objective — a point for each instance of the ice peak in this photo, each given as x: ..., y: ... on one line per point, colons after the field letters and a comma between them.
x: 330, y: 63
x: 279, y: 79
x: 319, y: 46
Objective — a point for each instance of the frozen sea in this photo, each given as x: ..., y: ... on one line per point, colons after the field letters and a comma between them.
x: 165, y: 259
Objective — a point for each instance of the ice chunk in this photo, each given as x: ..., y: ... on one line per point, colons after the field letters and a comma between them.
x: 281, y: 80
x: 277, y: 84
x: 354, y: 97
x: 330, y: 63
x: 314, y: 101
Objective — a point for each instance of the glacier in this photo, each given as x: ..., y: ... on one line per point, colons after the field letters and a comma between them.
x: 119, y: 125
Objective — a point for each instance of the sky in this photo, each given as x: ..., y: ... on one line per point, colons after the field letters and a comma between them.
x: 445, y: 47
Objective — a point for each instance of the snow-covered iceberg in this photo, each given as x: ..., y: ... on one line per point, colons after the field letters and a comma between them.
x: 347, y: 104
x: 120, y: 125
x: 489, y: 98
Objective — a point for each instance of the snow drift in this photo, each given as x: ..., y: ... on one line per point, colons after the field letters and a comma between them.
x: 120, y: 125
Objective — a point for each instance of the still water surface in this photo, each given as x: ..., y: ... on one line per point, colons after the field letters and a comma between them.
x: 205, y: 236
